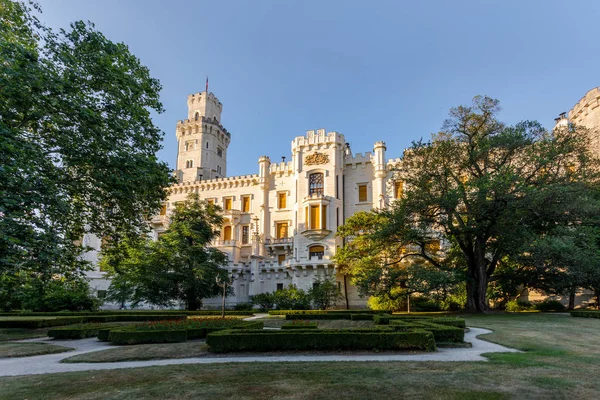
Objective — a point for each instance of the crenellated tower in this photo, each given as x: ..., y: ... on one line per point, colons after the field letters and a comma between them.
x: 202, y: 141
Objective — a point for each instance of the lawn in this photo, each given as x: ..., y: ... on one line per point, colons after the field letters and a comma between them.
x: 11, y: 349
x: 562, y: 360
x: 143, y: 352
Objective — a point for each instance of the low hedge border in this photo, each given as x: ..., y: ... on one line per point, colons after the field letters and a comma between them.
x: 121, y: 312
x: 442, y: 333
x: 585, y: 314
x: 128, y: 335
x: 62, y: 321
x: 291, y: 325
x: 361, y: 317
x: 319, y: 316
x: 76, y: 333
x: 384, y: 319
x: 456, y: 322
x: 312, y: 312
x: 307, y: 339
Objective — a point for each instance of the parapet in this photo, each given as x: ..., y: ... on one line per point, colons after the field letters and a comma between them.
x: 590, y: 101
x: 216, y: 183
x: 282, y: 168
x: 318, y: 137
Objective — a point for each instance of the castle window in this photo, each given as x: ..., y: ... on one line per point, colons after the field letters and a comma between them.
x: 189, y: 164
x: 281, y: 200
x: 246, y: 204
x: 317, y: 217
x: 207, y: 145
x: 227, y: 203
x: 398, y: 189
x: 245, y: 234
x: 219, y: 152
x: 227, y: 233
x: 315, y: 183
x: 163, y: 209
x: 316, y: 252
x: 281, y: 230
x: 280, y: 258
x: 211, y: 201
x: 362, y: 193
x: 196, y: 116
x: 218, y: 169
x: 279, y: 287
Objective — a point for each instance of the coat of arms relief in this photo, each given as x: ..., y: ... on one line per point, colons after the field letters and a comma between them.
x: 316, y: 159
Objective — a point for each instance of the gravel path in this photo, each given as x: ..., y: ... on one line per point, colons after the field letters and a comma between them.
x: 50, y: 363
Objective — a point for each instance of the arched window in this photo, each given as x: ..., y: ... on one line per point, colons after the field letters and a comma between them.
x: 196, y: 116
x: 316, y: 252
x: 227, y: 233
x: 315, y: 183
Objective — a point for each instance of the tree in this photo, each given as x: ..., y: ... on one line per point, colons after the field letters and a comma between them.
x: 490, y: 190
x: 179, y: 266
x: 325, y: 292
x: 77, y: 147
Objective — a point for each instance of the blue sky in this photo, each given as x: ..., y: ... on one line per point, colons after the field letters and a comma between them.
x: 372, y: 70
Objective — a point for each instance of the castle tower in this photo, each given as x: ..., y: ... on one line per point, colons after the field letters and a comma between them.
x: 202, y: 141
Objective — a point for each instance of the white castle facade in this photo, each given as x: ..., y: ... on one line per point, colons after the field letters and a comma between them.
x: 280, y: 222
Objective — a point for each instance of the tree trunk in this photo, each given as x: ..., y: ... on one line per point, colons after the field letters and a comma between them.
x: 597, y: 293
x: 193, y: 304
x: 477, y: 282
x: 346, y: 291
x: 571, y: 300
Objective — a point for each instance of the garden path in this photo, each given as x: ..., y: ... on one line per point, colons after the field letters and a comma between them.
x: 50, y: 363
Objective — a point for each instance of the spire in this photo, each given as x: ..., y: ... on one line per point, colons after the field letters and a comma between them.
x: 207, y: 84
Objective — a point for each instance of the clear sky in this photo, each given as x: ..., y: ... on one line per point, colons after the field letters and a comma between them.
x: 372, y: 70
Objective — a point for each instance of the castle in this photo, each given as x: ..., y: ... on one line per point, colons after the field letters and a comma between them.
x: 280, y: 223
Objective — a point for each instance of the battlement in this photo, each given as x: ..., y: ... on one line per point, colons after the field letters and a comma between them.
x: 358, y: 158
x: 195, y: 97
x: 318, y: 137
x: 590, y: 101
x: 190, y: 123
x: 281, y: 168
x: 216, y: 183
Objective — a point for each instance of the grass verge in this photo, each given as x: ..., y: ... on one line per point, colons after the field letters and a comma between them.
x: 12, y: 349
x: 142, y: 352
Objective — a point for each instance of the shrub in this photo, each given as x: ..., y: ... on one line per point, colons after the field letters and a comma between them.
x: 549, y: 305
x: 361, y: 317
x: 292, y: 298
x: 443, y: 333
x: 80, y: 331
x: 324, y: 292
x: 265, y: 301
x: 422, y: 303
x: 286, y: 312
x: 319, y: 316
x: 387, y: 303
x: 243, y: 306
x: 586, y: 314
x: 456, y: 322
x: 300, y: 324
x: 518, y: 306
x: 130, y: 336
x: 256, y: 340
x: 40, y: 323
x: 60, y: 295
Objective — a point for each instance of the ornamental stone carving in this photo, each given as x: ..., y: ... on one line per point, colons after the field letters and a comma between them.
x: 316, y: 159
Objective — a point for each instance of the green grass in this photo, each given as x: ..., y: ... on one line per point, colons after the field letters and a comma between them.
x: 20, y: 334
x: 12, y: 349
x: 562, y: 362
x: 142, y: 352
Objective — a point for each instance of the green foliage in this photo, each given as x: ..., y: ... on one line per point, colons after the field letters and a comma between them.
x: 315, y: 339
x: 549, y: 305
x: 243, y: 306
x: 586, y: 314
x: 265, y: 301
x: 129, y: 337
x: 493, y: 192
x: 77, y: 331
x: 59, y: 295
x: 324, y: 292
x: 179, y: 266
x: 77, y: 149
x: 300, y: 324
x: 292, y: 298
x: 518, y: 306
x: 361, y: 317
x: 324, y: 316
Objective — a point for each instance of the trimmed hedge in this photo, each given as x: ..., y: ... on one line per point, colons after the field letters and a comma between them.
x: 312, y: 312
x: 307, y: 339
x: 75, y: 332
x: 40, y: 323
x: 121, y: 312
x: 456, y: 322
x: 128, y: 336
x: 586, y: 314
x: 319, y: 316
x: 442, y: 333
x: 291, y: 325
x: 361, y: 317
x: 384, y: 319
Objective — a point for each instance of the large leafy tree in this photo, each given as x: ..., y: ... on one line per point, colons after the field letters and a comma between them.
x: 491, y: 190
x: 77, y: 146
x: 179, y: 266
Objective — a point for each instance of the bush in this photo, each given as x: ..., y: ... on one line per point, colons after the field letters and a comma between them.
x: 60, y: 295
x: 518, y: 306
x: 129, y: 336
x: 422, y: 303
x: 124, y: 312
x: 456, y: 322
x: 585, y: 314
x: 243, y: 306
x: 361, y: 317
x: 256, y: 340
x: 265, y: 301
x: 40, y: 323
x: 300, y: 324
x: 292, y: 298
x: 442, y: 333
x: 550, y: 305
x: 286, y: 312
x: 319, y: 316
x: 388, y: 304
x: 77, y: 331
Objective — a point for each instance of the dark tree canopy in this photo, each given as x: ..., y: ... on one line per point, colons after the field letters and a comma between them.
x: 77, y: 146
x: 179, y: 266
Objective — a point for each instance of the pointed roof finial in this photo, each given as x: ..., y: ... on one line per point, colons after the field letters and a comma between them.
x: 207, y: 84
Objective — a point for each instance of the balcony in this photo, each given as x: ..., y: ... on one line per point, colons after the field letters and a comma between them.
x: 286, y: 244
x: 159, y: 219
x: 316, y: 234
x: 226, y: 243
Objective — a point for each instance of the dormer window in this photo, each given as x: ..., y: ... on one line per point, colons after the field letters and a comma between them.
x: 315, y: 183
